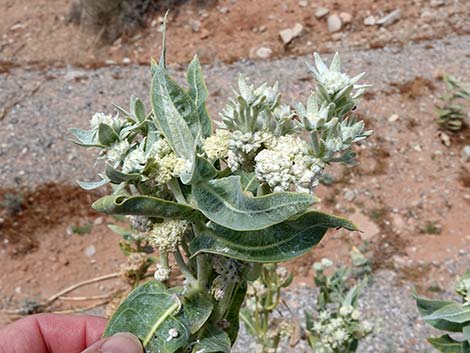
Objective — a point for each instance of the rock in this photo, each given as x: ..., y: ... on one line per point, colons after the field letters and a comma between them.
x: 368, y: 228
x: 264, y: 52
x: 398, y: 222
x: 90, y: 251
x: 303, y: 3
x: 321, y: 12
x: 390, y: 19
x: 223, y: 10
x: 195, y: 25
x: 334, y: 23
x: 288, y: 34
x: 393, y: 118
x: 437, y: 3
x: 349, y: 195
x: 75, y: 75
x: 345, y: 17
x: 126, y: 61
x: 370, y: 21
x: 445, y: 139
x: 465, y: 154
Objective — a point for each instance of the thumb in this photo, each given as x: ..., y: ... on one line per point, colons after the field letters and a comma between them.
x: 119, y: 343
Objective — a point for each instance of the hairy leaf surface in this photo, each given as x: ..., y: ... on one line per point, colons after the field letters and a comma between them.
x: 198, y: 92
x: 151, y: 311
x: 223, y: 202
x: 280, y: 242
x: 145, y: 206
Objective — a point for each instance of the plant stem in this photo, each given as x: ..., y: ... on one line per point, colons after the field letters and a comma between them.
x: 176, y: 190
x: 202, y: 270
x: 184, y: 269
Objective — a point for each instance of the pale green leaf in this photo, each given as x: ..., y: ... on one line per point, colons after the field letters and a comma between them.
x: 198, y: 92
x: 166, y: 105
x: 106, y: 135
x: 454, y: 312
x: 223, y: 202
x: 91, y: 185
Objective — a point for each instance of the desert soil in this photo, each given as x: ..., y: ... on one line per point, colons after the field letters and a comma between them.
x: 409, y: 183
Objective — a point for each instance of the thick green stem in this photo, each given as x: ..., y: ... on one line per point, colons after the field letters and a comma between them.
x: 203, y: 270
x: 183, y: 267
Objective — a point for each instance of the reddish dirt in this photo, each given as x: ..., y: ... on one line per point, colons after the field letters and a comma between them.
x: 39, y: 33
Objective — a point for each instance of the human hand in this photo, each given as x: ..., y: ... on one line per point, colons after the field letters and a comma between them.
x: 50, y: 333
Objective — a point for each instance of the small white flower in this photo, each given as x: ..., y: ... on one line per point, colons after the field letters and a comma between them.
x: 346, y: 310
x: 162, y: 274
x: 172, y: 334
x: 100, y: 118
x: 134, y: 162
x: 356, y: 315
x: 118, y: 151
x: 317, y: 266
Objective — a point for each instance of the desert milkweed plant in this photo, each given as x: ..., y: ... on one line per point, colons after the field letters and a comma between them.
x: 218, y: 203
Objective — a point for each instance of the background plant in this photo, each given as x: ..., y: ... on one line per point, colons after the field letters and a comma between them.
x: 452, y: 111
x: 263, y: 299
x: 449, y: 316
x: 217, y: 203
x: 337, y: 326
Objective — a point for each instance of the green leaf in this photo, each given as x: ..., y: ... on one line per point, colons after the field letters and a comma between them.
x: 446, y: 344
x: 203, y: 171
x: 180, y: 100
x: 91, y: 185
x: 466, y: 333
x: 106, y: 135
x: 223, y: 202
x: 145, y: 206
x: 138, y: 109
x: 213, y: 340
x: 117, y: 177
x: 280, y: 242
x: 198, y: 92
x: 86, y: 138
x: 152, y: 310
x: 149, y: 313
x: 456, y: 313
x: 248, y: 181
x: 167, y: 101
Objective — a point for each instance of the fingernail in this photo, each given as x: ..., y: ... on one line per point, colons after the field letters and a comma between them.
x: 122, y: 343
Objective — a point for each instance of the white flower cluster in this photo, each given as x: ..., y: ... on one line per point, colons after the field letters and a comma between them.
x: 117, y: 152
x: 168, y: 164
x: 463, y: 288
x: 167, y: 235
x: 227, y: 272
x: 134, y: 162
x: 288, y: 163
x: 217, y: 145
x: 243, y: 148
x: 334, y: 332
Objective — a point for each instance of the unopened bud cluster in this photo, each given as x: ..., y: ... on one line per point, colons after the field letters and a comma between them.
x: 260, y: 134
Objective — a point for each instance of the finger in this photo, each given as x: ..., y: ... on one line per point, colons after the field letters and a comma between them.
x: 50, y: 333
x: 119, y: 343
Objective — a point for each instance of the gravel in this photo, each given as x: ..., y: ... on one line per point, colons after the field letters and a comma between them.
x: 385, y: 302
x: 35, y: 145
